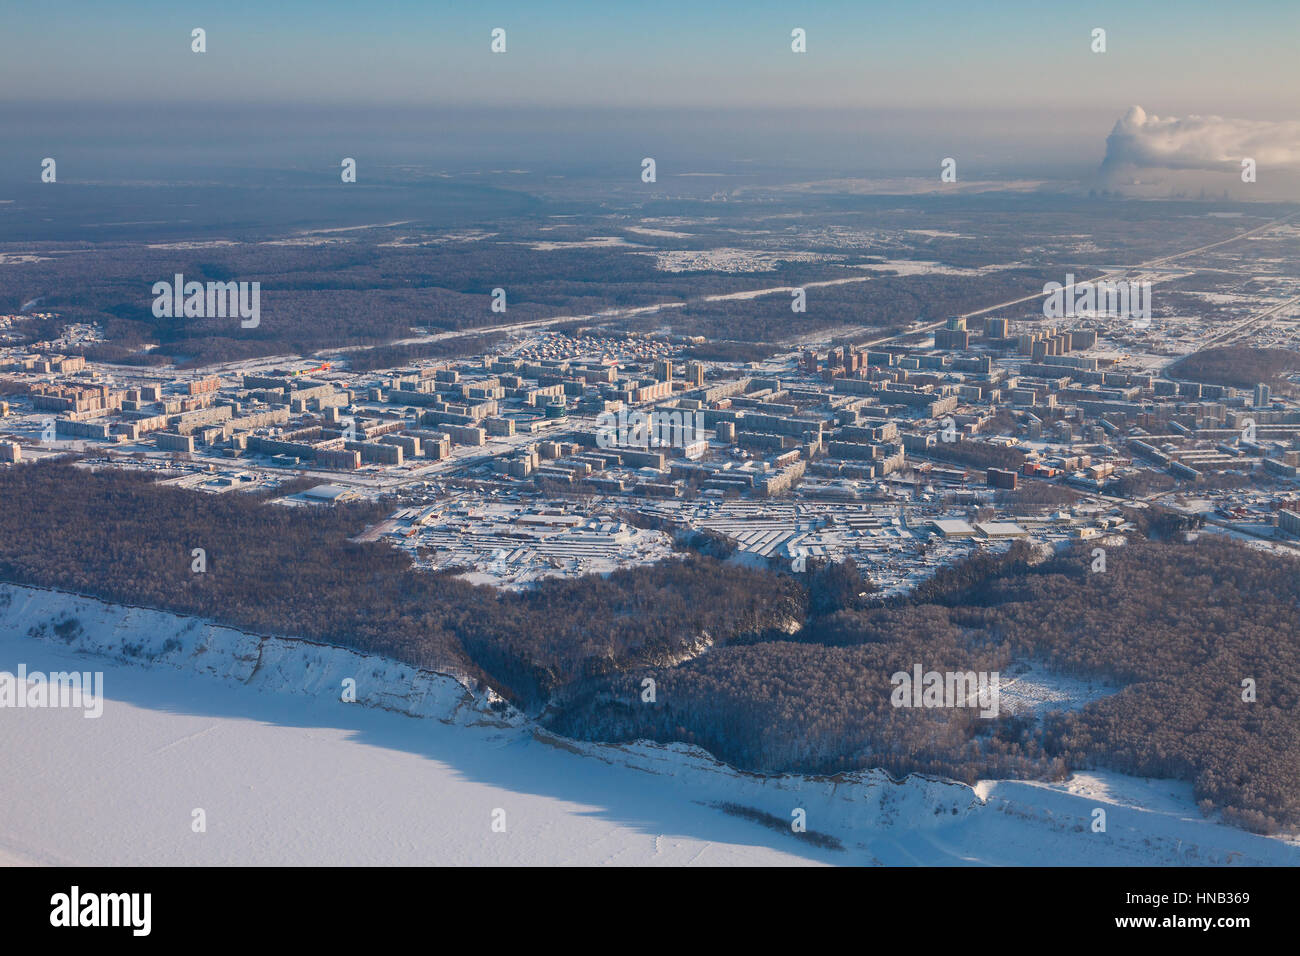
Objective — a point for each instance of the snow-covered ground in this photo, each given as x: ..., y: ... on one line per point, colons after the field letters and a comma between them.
x: 1029, y: 687
x: 251, y: 731
x: 731, y: 260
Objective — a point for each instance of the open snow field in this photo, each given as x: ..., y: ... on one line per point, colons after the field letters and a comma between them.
x: 251, y: 731
x: 289, y: 780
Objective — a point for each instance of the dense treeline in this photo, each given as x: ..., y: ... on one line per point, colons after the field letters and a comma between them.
x: 339, y: 293
x: 731, y: 351
x: 329, y: 292
x: 371, y: 284
x: 294, y: 571
x: 1238, y: 366
x: 882, y: 302
x: 395, y: 356
x: 1172, y: 628
x: 800, y: 707
x: 1181, y: 626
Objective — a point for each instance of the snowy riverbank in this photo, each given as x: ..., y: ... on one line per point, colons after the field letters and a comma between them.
x: 252, y: 731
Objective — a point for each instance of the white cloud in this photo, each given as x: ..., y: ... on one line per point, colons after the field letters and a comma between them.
x: 1215, y: 143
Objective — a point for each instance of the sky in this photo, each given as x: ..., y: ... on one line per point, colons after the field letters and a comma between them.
x: 1012, y: 87
x: 1173, y: 57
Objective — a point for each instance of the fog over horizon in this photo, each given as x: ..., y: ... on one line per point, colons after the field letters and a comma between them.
x: 585, y: 89
x: 243, y: 144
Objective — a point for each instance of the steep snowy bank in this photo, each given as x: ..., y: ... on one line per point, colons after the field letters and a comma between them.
x: 144, y: 636
x: 285, y: 772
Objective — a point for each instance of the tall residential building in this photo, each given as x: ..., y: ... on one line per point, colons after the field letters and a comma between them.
x: 953, y: 335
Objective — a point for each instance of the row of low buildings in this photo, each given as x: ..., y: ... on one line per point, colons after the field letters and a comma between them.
x: 837, y: 420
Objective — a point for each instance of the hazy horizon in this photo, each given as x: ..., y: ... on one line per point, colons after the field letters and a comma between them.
x: 582, y: 89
